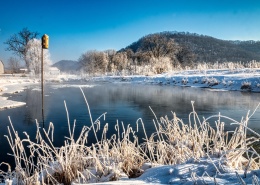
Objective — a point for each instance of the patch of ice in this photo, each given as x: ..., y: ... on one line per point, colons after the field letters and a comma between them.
x: 71, y: 85
x: 36, y: 89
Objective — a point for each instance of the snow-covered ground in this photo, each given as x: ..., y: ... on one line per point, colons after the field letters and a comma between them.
x: 236, y: 80
x: 224, y: 80
x: 205, y: 171
x: 10, y: 85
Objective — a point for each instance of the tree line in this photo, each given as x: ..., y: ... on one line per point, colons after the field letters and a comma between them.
x: 166, y: 51
x: 151, y: 54
x: 156, y: 54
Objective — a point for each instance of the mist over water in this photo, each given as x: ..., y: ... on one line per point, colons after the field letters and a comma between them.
x: 122, y: 103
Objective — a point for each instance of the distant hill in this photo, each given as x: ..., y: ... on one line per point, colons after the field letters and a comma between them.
x: 67, y: 66
x: 210, y: 49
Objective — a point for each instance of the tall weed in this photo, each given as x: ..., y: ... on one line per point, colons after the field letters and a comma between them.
x: 174, y: 142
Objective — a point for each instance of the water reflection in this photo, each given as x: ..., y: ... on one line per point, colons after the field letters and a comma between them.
x: 123, y: 103
x: 164, y: 99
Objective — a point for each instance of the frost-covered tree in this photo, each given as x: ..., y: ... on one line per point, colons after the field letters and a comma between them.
x: 34, y: 56
x: 94, y: 62
x: 120, y: 60
x: 17, y: 43
x: 110, y: 54
x: 161, y: 65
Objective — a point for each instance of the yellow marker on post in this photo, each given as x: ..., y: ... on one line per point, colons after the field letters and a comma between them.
x: 45, y: 41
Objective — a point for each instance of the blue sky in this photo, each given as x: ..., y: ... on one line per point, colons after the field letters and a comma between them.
x: 75, y: 26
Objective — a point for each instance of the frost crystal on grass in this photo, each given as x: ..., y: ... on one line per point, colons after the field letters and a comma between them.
x: 110, y: 159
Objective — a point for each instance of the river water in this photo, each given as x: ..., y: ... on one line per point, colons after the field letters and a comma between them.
x: 122, y: 102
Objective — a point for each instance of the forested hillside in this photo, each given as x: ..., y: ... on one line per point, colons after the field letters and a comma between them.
x: 207, y: 49
x: 167, y: 51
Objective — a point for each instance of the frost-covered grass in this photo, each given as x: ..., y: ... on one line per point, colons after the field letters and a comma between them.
x: 122, y: 156
x: 224, y: 79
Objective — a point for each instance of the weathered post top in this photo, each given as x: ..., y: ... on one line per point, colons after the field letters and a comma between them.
x: 45, y: 41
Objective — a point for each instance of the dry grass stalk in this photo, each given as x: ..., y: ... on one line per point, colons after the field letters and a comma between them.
x: 174, y: 142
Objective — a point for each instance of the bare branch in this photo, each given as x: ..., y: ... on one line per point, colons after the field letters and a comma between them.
x: 17, y: 43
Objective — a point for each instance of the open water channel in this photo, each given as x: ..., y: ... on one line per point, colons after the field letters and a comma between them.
x: 122, y: 102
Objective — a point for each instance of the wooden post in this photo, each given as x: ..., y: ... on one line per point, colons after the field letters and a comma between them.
x: 42, y: 90
x: 45, y: 45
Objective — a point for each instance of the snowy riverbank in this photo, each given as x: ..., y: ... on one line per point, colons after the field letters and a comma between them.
x: 10, y: 85
x: 206, y: 170
x: 224, y: 80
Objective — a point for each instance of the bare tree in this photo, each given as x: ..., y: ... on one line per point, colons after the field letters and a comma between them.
x: 14, y: 64
x: 17, y: 43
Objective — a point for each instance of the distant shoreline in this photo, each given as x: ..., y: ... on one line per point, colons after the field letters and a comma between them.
x: 225, y: 81
x: 216, y: 80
